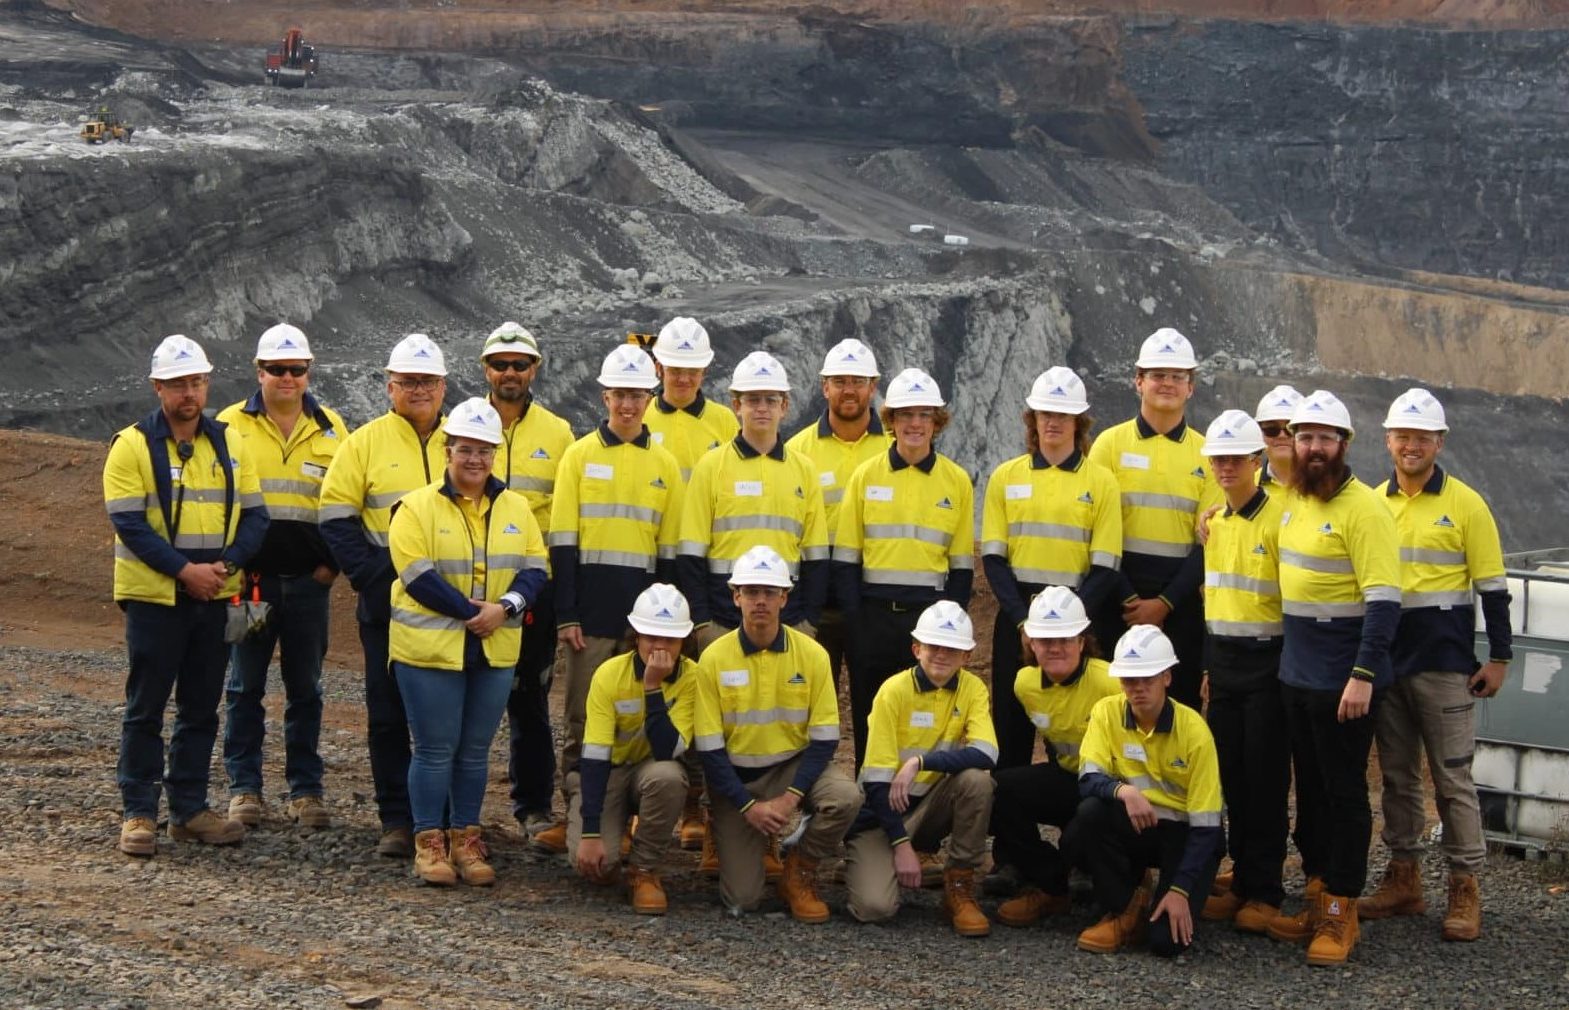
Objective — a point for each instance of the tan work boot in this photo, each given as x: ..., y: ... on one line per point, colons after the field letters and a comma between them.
x: 1221, y: 907
x: 1463, y: 920
x: 773, y: 866
x: 1222, y: 882
x: 209, y: 829
x: 1399, y: 893
x: 1337, y: 931
x: 1254, y: 916
x: 1027, y: 908
x: 627, y: 835
x: 708, y: 864
x: 959, y: 905
x: 1298, y: 928
x: 431, y: 862
x: 692, y: 828
x: 646, y: 892
x: 247, y: 808
x: 934, y: 871
x: 468, y: 856
x: 396, y: 843
x: 139, y: 836
x: 552, y: 840
x: 798, y: 888
x: 308, y: 812
x: 1116, y: 930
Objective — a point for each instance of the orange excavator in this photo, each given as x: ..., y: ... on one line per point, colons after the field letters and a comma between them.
x: 293, y: 64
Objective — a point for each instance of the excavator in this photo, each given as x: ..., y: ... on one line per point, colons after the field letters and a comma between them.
x: 103, y: 126
x: 293, y: 64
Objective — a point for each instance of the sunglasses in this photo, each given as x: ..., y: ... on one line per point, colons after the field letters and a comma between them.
x: 295, y: 370
x: 521, y: 366
x: 1273, y: 430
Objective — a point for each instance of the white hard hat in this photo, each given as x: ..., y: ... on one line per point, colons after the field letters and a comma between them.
x: 510, y: 338
x: 1233, y: 433
x: 178, y: 356
x: 759, y: 372
x: 683, y: 343
x: 1144, y: 651
x: 283, y: 343
x: 1166, y: 348
x: 1056, y: 612
x: 1277, y: 404
x: 1060, y: 390
x: 945, y: 623
x: 1323, y: 407
x: 628, y: 367
x: 912, y: 388
x: 761, y: 566
x: 1417, y: 408
x: 417, y: 354
x: 661, y: 611
x: 850, y: 357
x: 474, y: 418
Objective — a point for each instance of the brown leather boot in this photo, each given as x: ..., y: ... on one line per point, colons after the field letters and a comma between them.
x: 1116, y: 930
x: 1222, y: 882
x: 959, y: 905
x: 1221, y: 907
x: 431, y: 862
x: 692, y: 828
x: 708, y: 863
x: 1463, y: 920
x: 1399, y: 893
x: 798, y: 888
x: 1254, y: 916
x: 646, y: 892
x: 1029, y: 906
x: 773, y: 866
x: 1337, y: 931
x: 468, y: 856
x: 1298, y: 928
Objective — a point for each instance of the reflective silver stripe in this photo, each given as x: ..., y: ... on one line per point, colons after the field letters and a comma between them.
x: 124, y: 553
x: 1437, y: 598
x: 1066, y: 747
x: 117, y: 505
x: 205, y: 496
x: 1207, y: 819
x: 416, y: 568
x: 1047, y: 577
x: 620, y: 559
x: 763, y: 760
x: 711, y: 741
x: 596, y: 752
x: 563, y: 538
x: 1089, y: 767
x: 985, y: 748
x: 1383, y: 594
x: 1247, y: 629
x: 200, y: 541
x: 732, y: 524
x: 994, y: 548
x: 1496, y: 585
x: 618, y: 511
x: 919, y: 788
x: 1054, y: 531
x: 252, y: 500
x: 1106, y: 559
x: 822, y: 732
x: 292, y: 513
x: 385, y: 500
x: 515, y: 561
x: 1331, y: 566
x: 1156, y: 548
x: 544, y: 485
x: 897, y: 577
x: 849, y: 555
x: 907, y: 531
x: 533, y: 562
x: 629, y: 735
x: 1428, y: 556
x: 1149, y: 500
x: 877, y: 774
x: 814, y: 553
x: 833, y: 496
x: 329, y: 512
x: 906, y: 753
x: 426, y: 622
x: 1143, y: 782
x: 666, y: 552
x: 1168, y: 814
x: 452, y: 566
x: 686, y: 475
x: 1316, y: 610
x: 963, y: 562
x: 304, y: 487
x: 377, y: 537
x: 1229, y: 580
x: 692, y: 547
x: 765, y: 717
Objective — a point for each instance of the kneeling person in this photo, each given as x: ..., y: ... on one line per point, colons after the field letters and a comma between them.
x: 767, y: 724
x: 929, y: 747
x: 639, y: 719
x: 1151, y: 787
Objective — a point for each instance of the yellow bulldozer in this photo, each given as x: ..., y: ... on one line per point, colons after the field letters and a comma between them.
x: 102, y: 127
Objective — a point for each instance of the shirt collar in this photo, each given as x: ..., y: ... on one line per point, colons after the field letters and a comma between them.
x: 308, y: 404
x: 1163, y: 722
x: 826, y: 430
x: 747, y: 648
x: 897, y: 461
x: 1252, y: 506
x: 923, y: 683
x: 1145, y: 431
x: 493, y: 487
x: 744, y: 447
x: 610, y: 438
x: 1073, y: 678
x: 695, y: 408
x: 1434, y: 485
x: 528, y: 401
x: 1071, y: 464
x: 639, y: 668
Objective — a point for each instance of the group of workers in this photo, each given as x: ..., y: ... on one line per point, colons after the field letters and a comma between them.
x: 704, y: 579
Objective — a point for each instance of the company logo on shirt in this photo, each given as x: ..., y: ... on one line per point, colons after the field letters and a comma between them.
x: 1177, y: 762
x: 1326, y: 529
x: 539, y: 453
x: 509, y: 528
x: 799, y: 493
x: 1198, y: 471
x: 944, y: 503
x: 797, y: 679
x: 714, y: 444
x: 1259, y: 549
x: 1086, y: 498
x: 658, y: 482
x: 1445, y: 522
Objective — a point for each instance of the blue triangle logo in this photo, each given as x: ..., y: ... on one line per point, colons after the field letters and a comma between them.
x: 1086, y: 498
x: 1259, y: 549
x: 1131, y: 654
x: 1052, y: 615
x: 539, y: 453
x: 664, y: 612
x: 422, y: 353
x: 1326, y: 529
x: 798, y: 679
x: 944, y: 503
x: 1444, y: 521
x: 658, y: 482
x: 1198, y: 471
x: 511, y: 529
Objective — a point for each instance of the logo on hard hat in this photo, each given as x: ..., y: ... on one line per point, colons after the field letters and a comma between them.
x: 1315, y: 405
x: 630, y: 366
x: 1052, y: 614
x: 1226, y: 433
x: 1132, y: 653
x: 684, y: 345
x: 1168, y: 348
x: 285, y: 342
x: 665, y: 612
x: 947, y: 626
x: 1058, y: 391
x: 183, y: 354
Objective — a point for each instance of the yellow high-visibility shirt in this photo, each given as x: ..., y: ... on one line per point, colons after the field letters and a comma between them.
x: 1242, y: 569
x: 1049, y: 523
x: 1061, y: 712
x: 530, y: 451
x: 1173, y: 765
x: 375, y: 467
x: 912, y: 717
x: 689, y: 432
x: 762, y: 706
x: 907, y: 526
x: 1165, y: 485
x: 614, y: 728
x: 835, y: 460
x: 291, y: 470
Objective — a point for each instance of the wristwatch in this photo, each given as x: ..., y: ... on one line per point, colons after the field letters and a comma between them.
x: 229, y: 567
x: 510, y: 608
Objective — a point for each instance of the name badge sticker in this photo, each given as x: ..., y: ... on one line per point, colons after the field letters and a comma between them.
x: 734, y: 678
x: 629, y: 706
x: 748, y: 489
x: 826, y: 478
x: 1042, y: 720
x: 1018, y: 492
x: 1135, y: 461
x: 879, y: 492
x: 599, y: 471
x: 1133, y: 752
x: 922, y: 720
x: 315, y: 470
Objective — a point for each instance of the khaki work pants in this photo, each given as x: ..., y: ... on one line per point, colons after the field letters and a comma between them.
x: 959, y: 808
x: 833, y: 801
x: 1430, y: 712
x: 580, y: 667
x: 654, y: 791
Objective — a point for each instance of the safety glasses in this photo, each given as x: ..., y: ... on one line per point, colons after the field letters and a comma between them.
x: 298, y: 371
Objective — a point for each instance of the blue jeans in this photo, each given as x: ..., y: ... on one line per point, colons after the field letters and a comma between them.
x: 179, y: 650
x: 298, y: 628
x: 453, y: 717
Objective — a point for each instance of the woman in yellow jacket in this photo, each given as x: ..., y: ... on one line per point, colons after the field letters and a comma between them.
x: 470, y: 560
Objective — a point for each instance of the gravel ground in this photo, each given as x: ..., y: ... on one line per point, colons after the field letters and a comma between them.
x: 317, y: 920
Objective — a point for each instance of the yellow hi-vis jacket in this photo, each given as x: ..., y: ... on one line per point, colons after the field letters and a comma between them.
x: 291, y: 470
x: 1060, y: 713
x: 1242, y: 570
x: 835, y: 459
x: 478, y: 551
x: 530, y: 451
x: 689, y: 432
